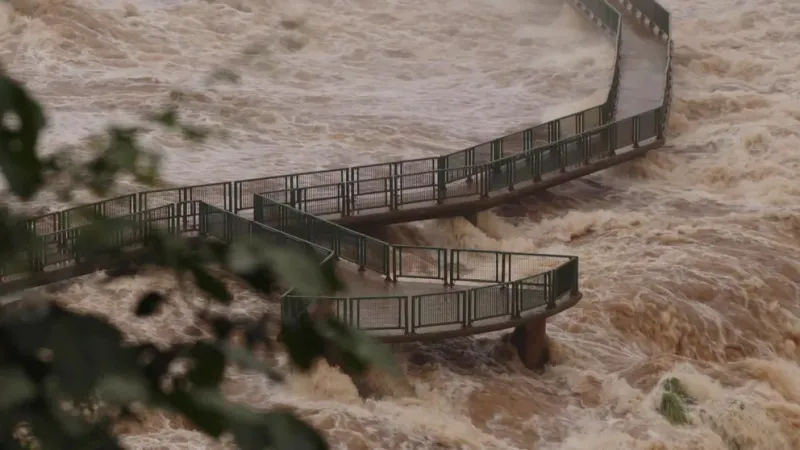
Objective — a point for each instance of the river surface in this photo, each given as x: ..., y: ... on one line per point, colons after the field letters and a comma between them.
x: 689, y: 257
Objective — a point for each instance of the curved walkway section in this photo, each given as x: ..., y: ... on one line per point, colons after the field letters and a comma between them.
x: 299, y: 210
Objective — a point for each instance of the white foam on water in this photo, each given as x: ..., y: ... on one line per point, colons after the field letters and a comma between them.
x: 688, y: 257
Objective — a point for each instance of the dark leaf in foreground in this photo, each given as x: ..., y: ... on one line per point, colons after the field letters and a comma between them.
x: 211, y: 285
x: 359, y: 351
x: 277, y: 430
x: 19, y: 160
x: 222, y: 327
x: 149, y: 303
x: 199, y: 411
x: 85, y: 350
x: 302, y: 340
x: 209, y: 365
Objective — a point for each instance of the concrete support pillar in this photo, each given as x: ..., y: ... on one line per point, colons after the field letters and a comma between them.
x: 532, y: 344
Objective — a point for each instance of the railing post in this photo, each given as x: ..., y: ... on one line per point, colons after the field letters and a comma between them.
x: 487, y: 180
x: 362, y: 253
x: 470, y: 294
x: 441, y: 176
x: 515, y: 300
x: 452, y: 270
x: 396, y: 263
x: 347, y: 200
x: 551, y: 289
x: 446, y: 276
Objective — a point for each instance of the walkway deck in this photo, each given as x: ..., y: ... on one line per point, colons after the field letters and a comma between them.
x: 377, y: 306
x: 642, y: 70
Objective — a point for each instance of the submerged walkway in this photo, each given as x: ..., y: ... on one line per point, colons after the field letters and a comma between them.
x: 455, y: 291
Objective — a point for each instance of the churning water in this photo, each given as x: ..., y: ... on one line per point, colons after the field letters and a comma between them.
x: 689, y: 257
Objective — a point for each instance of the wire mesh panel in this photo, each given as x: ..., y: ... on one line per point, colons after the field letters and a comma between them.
x: 478, y: 265
x: 188, y: 219
x: 592, y: 118
x: 320, y: 178
x: 521, y: 265
x: 489, y: 302
x: 512, y: 144
x: 570, y: 125
x: 549, y: 159
x: 215, y: 194
x: 380, y: 313
x: 483, y: 153
x: 412, y: 166
x: 118, y: 206
x: 323, y: 199
x: 565, y: 278
x: 573, y: 151
x: 371, y: 172
x: 366, y: 196
x: 213, y: 222
x: 244, y: 190
x: 376, y: 255
x: 79, y: 216
x: 131, y: 230
x: 161, y: 197
x: 420, y: 262
x: 46, y: 224
x: 598, y: 143
x: 49, y: 252
x: 292, y: 306
x: 370, y: 187
x: 461, y: 188
x: 624, y: 132
x: 532, y: 292
x: 459, y: 165
x: 416, y: 188
x: 648, y: 124
x: 435, y: 310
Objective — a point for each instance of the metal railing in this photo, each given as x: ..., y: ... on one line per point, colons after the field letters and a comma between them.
x: 547, y: 277
x: 501, y: 165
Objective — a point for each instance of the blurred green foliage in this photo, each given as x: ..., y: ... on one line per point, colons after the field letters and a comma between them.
x: 57, y: 364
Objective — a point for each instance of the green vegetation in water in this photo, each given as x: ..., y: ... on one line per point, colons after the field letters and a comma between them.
x: 674, y: 401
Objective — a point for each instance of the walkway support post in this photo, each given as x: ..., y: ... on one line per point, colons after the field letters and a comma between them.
x: 532, y: 343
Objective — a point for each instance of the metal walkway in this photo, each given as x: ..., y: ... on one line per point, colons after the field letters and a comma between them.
x: 318, y: 210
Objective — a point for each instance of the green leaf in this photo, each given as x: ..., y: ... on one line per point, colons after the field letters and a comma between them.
x: 124, y: 389
x: 246, y: 360
x: 19, y: 159
x: 199, y: 407
x: 273, y: 430
x: 194, y: 134
x: 303, y: 342
x: 287, y: 431
x: 211, y: 286
x: 358, y: 349
x: 301, y: 271
x: 86, y: 349
x: 167, y: 118
x: 243, y: 258
x: 15, y: 389
x: 222, y: 326
x: 149, y: 304
x: 209, y: 365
